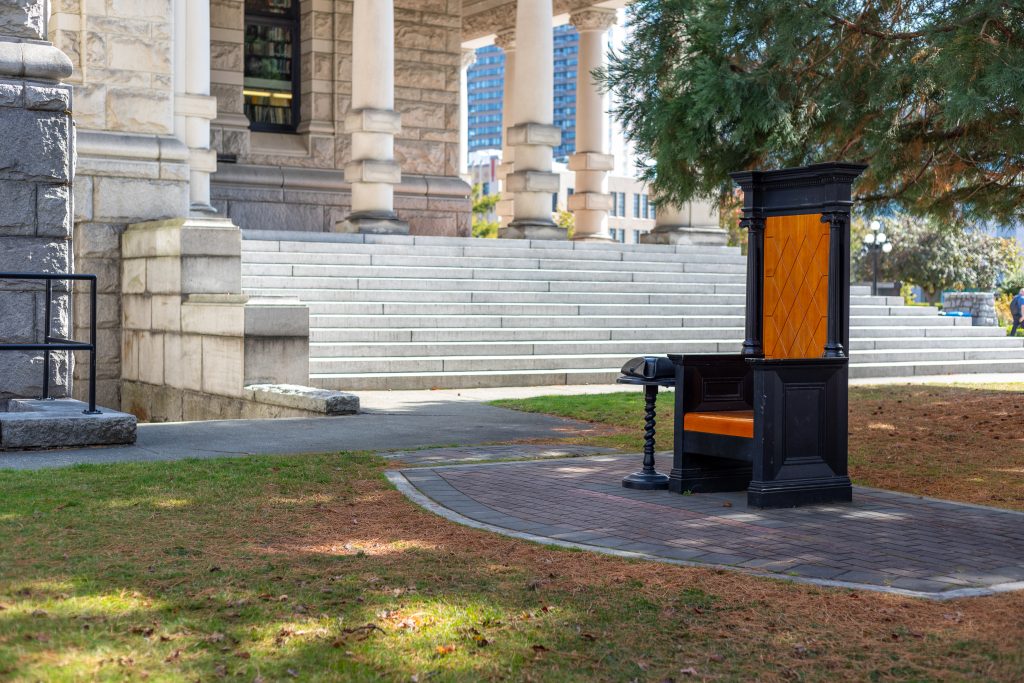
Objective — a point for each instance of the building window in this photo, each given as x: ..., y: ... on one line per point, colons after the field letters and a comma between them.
x: 636, y: 206
x: 646, y: 207
x: 271, y: 80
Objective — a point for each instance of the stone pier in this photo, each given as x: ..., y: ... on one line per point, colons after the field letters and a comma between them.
x: 36, y: 170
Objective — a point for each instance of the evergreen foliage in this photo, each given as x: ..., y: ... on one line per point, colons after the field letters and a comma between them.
x: 928, y: 92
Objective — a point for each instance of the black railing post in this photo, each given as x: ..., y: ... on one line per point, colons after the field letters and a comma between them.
x: 51, y: 343
x: 92, y: 347
x: 47, y: 317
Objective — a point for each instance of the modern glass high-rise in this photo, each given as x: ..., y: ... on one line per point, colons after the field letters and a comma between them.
x: 485, y: 80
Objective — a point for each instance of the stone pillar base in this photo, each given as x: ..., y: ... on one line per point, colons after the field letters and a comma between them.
x: 373, y: 223
x: 705, y: 236
x: 592, y: 238
x: 533, y: 230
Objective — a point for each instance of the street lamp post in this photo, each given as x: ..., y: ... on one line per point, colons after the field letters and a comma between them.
x: 877, y: 243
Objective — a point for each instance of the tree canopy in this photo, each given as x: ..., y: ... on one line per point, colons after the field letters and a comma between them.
x: 930, y: 93
x: 938, y: 256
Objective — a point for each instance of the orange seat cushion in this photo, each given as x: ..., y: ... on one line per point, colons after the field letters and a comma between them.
x: 726, y: 423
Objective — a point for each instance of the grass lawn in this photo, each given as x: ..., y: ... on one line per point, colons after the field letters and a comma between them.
x: 959, y: 442
x: 312, y: 568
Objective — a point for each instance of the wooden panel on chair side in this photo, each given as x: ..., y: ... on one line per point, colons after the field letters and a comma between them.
x: 795, y: 286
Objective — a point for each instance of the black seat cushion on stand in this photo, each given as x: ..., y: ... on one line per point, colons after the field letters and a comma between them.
x: 650, y: 368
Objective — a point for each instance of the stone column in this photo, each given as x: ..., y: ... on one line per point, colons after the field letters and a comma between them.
x: 591, y: 162
x: 36, y: 170
x: 468, y: 58
x: 194, y: 108
x: 373, y: 122
x: 533, y: 134
x: 694, y: 223
x: 506, y: 40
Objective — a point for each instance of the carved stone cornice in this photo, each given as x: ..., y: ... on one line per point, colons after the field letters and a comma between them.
x: 593, y: 19
x: 489, y: 20
x: 506, y: 39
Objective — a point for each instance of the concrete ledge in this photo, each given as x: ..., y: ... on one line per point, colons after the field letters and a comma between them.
x: 161, y: 403
x: 330, y: 180
x: 321, y: 401
x: 33, y: 60
x: 36, y: 424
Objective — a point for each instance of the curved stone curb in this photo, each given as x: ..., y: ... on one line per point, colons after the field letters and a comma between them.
x: 397, y: 478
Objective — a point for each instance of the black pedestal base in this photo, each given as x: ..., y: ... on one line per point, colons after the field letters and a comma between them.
x: 786, y: 494
x: 646, y: 481
x: 710, y: 479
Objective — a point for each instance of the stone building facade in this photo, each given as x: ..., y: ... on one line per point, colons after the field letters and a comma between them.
x: 182, y: 142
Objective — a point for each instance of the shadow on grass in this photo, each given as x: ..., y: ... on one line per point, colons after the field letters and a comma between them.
x: 313, y: 568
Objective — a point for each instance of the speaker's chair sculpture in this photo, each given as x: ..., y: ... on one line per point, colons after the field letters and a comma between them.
x: 773, y: 418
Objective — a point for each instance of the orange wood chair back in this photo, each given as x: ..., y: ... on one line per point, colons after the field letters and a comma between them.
x: 795, y: 286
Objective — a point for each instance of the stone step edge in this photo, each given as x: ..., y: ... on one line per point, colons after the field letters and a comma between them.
x: 598, y: 356
x: 580, y: 371
x: 569, y: 245
x: 311, y: 399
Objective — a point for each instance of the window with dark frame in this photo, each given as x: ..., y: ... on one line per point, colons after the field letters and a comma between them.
x: 271, y: 77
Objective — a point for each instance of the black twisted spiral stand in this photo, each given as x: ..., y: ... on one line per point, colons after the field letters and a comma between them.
x: 648, y: 478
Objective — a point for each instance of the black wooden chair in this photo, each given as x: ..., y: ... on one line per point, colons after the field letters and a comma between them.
x: 772, y: 419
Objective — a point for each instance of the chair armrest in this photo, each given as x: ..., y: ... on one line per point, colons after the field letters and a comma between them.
x: 713, y: 381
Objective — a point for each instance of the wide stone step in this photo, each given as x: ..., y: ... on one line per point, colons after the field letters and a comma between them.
x: 627, y: 348
x: 632, y: 311
x: 469, y: 380
x: 420, y: 321
x: 686, y: 274
x: 636, y: 310
x: 287, y: 240
x: 260, y: 282
x: 722, y: 320
x: 482, y: 258
x: 579, y: 360
x: 937, y: 367
x: 657, y: 346
x: 867, y: 344
x: 466, y: 297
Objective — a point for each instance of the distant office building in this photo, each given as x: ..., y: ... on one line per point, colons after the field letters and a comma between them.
x: 485, y: 81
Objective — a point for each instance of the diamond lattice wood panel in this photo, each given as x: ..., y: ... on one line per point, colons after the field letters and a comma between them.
x: 795, y: 286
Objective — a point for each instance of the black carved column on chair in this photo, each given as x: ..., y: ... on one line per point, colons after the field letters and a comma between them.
x: 837, y: 288
x: 754, y: 332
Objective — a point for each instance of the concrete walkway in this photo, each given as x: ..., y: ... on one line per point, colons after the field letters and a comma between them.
x: 391, y: 420
x: 399, y: 420
x: 883, y: 541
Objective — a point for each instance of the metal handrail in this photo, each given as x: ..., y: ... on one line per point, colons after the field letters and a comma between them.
x: 51, y: 343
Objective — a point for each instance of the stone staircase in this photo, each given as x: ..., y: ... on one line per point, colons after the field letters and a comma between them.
x: 389, y: 312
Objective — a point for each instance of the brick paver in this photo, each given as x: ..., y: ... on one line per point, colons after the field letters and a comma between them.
x: 440, y: 456
x: 882, y: 540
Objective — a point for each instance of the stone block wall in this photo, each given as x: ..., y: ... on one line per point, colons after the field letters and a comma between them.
x: 286, y: 192
x: 121, y: 179
x: 980, y: 305
x: 129, y: 167
x: 121, y: 52
x: 36, y: 170
x: 192, y: 343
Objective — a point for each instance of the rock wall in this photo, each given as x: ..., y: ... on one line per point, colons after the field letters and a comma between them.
x: 36, y: 169
x: 980, y: 305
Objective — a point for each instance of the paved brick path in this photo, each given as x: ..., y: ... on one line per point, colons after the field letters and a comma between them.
x: 441, y: 456
x: 883, y: 540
